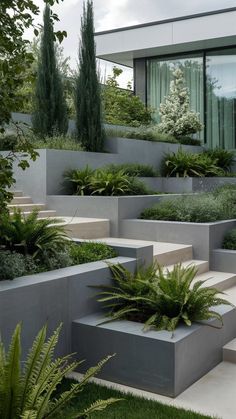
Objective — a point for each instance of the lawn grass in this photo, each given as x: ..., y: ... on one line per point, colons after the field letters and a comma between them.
x: 129, y: 408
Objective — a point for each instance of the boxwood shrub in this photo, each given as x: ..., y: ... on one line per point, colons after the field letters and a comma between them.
x: 230, y: 240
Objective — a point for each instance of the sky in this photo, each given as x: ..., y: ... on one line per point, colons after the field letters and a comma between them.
x: 110, y: 14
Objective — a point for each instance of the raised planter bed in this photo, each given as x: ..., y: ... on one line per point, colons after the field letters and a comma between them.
x: 204, y: 237
x: 186, y: 185
x: 224, y: 260
x: 152, y: 361
x: 52, y: 297
x: 110, y: 207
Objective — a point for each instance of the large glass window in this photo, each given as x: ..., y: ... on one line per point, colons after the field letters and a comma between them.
x: 160, y: 74
x: 221, y: 98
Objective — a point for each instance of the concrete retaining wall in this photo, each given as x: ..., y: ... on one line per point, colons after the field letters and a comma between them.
x: 114, y: 208
x: 224, y: 260
x: 152, y: 361
x: 186, y: 185
x: 204, y: 237
x: 52, y: 297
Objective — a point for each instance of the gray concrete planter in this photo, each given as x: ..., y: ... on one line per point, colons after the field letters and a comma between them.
x: 204, y: 237
x: 224, y: 260
x: 152, y: 361
x: 110, y: 207
x: 186, y: 185
x: 52, y: 297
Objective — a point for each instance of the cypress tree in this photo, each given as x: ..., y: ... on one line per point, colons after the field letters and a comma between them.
x: 50, y: 115
x: 88, y: 94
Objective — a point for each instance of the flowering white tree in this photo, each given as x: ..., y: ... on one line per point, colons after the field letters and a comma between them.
x: 177, y: 118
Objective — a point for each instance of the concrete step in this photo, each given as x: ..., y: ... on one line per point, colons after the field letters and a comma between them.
x: 19, y: 200
x: 220, y: 280
x: 85, y: 228
x: 229, y: 352
x: 163, y: 253
x: 26, y: 207
x: 41, y: 214
x: 16, y: 193
x: 169, y: 253
x: 201, y: 265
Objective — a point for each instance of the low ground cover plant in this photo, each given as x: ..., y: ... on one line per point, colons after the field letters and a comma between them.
x: 56, y: 142
x: 29, y: 245
x: 151, y: 134
x: 103, y: 182
x: 28, y: 389
x: 160, y: 299
x: 133, y: 169
x: 229, y: 241
x: 201, y: 208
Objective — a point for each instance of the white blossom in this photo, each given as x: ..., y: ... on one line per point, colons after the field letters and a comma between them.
x: 177, y: 118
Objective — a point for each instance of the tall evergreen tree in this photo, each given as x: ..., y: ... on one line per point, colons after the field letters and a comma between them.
x: 88, y: 95
x: 50, y: 115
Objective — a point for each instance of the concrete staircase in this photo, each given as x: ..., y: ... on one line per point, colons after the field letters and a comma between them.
x: 79, y: 227
x: 169, y: 254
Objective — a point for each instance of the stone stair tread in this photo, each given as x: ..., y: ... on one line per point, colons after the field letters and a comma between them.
x: 219, y: 280
x: 41, y: 214
x: 200, y: 264
x: 17, y: 192
x: 26, y: 206
x: 231, y: 345
x: 158, y: 247
x: 80, y: 220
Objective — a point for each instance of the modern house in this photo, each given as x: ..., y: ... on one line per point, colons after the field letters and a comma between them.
x: 203, y: 46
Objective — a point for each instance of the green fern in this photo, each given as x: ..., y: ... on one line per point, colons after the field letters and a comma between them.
x: 30, y: 235
x: 28, y: 392
x: 159, y: 298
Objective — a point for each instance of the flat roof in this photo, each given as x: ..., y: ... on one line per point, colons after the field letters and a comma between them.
x: 169, y: 36
x: 169, y: 20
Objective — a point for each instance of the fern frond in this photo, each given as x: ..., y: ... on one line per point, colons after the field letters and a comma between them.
x: 98, y: 406
x: 12, y: 377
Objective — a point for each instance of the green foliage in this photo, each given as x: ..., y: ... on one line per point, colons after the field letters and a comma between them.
x: 57, y: 142
x: 121, y: 106
x: 25, y: 151
x: 110, y: 184
x: 13, y: 265
x: 31, y: 236
x: 184, y: 164
x: 90, y: 252
x: 160, y: 299
x: 151, y: 134
x: 50, y: 114
x: 27, y: 389
x: 15, y: 57
x: 223, y: 158
x: 230, y: 240
x: 8, y: 142
x: 88, y: 96
x: 202, y: 208
x: 132, y: 169
x: 80, y: 180
x: 103, y: 182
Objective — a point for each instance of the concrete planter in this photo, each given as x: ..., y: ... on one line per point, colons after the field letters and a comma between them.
x: 110, y: 207
x: 186, y: 185
x: 52, y: 297
x: 204, y: 237
x: 224, y: 260
x: 152, y: 361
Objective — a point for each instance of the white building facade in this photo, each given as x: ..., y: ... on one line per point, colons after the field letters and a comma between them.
x: 203, y: 46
